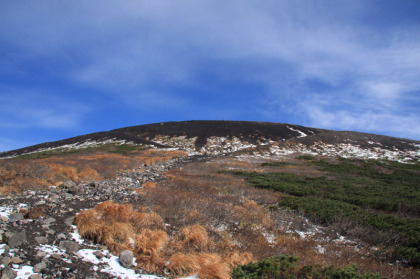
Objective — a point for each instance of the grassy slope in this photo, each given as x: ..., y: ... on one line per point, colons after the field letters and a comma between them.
x: 379, y: 195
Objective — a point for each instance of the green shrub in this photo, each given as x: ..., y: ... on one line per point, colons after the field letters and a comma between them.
x: 286, y: 267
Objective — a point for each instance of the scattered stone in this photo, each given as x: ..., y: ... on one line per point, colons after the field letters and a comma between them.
x: 8, y: 273
x: 4, y: 218
x: 17, y: 239
x: 61, y: 236
x: 35, y: 276
x: 56, y: 256
x: 67, y: 184
x: 69, y: 246
x: 5, y: 261
x: 98, y: 254
x: 39, y: 267
x: 41, y: 254
x: 41, y: 239
x: 69, y: 221
x: 16, y: 260
x: 50, y: 232
x: 48, y: 221
x: 14, y: 217
x: 6, y: 249
x: 126, y: 258
x: 12, y: 194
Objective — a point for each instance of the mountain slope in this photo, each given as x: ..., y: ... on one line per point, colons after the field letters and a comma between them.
x: 223, y: 137
x: 197, y: 198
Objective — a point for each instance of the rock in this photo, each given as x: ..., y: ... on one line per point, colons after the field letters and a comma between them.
x: 5, y: 261
x: 41, y: 254
x: 56, y: 256
x: 75, y: 190
x: 69, y: 246
x: 48, y: 221
x: 16, y: 260
x: 35, y: 276
x: 12, y: 194
x: 98, y: 254
x: 8, y: 273
x: 69, y: 221
x: 6, y: 249
x: 41, y: 239
x: 17, y: 239
x: 54, y: 197
x: 67, y: 184
x: 14, y: 217
x: 61, y: 236
x: 50, y: 232
x: 39, y: 267
x: 4, y: 218
x: 126, y: 258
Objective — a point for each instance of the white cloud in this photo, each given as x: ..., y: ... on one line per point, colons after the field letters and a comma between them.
x: 139, y: 49
x: 19, y: 110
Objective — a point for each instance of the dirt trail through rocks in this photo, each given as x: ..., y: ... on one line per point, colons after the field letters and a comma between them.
x: 45, y: 243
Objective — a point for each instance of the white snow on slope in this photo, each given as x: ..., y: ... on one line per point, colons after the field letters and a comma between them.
x: 301, y: 134
x: 77, y: 145
x: 347, y: 150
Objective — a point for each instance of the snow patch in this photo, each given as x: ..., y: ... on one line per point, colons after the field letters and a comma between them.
x: 301, y: 134
x: 24, y: 272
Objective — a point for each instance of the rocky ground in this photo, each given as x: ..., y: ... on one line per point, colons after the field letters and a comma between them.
x: 39, y: 239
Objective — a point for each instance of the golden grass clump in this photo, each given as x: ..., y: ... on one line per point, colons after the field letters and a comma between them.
x: 149, y: 185
x: 236, y: 258
x: 212, y: 266
x: 195, y: 238
x: 183, y: 264
x: 113, y: 212
x: 117, y: 233
x: 148, y: 250
x: 150, y: 242
x: 206, y: 265
x: 90, y: 225
x: 146, y: 220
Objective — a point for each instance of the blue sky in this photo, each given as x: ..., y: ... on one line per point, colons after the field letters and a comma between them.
x: 73, y: 67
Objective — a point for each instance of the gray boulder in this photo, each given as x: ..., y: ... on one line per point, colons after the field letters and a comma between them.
x: 8, y: 273
x: 69, y: 246
x: 39, y: 267
x: 17, y: 239
x: 126, y: 258
x: 15, y: 217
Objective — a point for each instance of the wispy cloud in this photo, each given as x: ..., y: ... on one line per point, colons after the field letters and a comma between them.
x: 35, y: 109
x: 307, y: 63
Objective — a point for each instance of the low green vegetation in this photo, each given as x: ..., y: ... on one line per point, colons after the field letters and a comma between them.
x: 286, y: 266
x: 379, y: 195
x: 111, y: 148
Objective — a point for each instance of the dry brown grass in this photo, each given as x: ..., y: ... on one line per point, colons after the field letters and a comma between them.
x: 213, y: 267
x: 149, y: 185
x: 194, y: 238
x: 217, y: 221
x: 183, y: 264
x: 148, y: 250
x: 236, y: 258
x: 34, y: 213
x: 90, y: 225
x: 120, y: 227
x: 23, y: 174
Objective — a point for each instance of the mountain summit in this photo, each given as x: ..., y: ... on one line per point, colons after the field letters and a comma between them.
x: 222, y: 137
